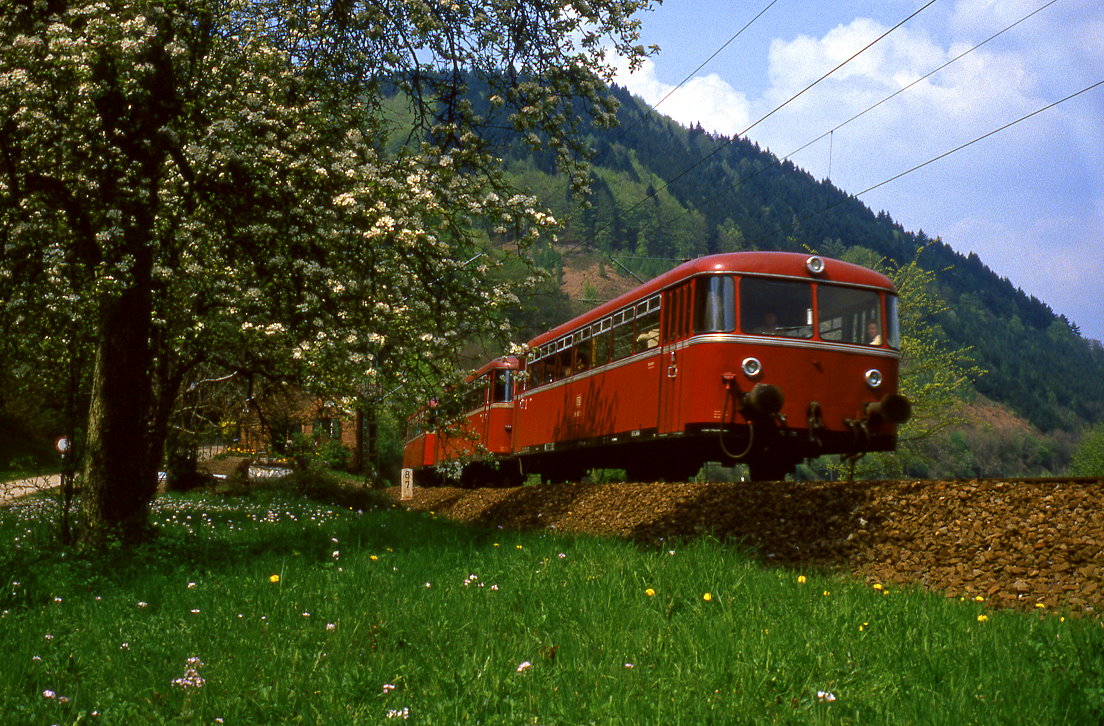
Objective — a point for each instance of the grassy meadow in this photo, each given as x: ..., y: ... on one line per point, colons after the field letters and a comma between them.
x: 275, y: 607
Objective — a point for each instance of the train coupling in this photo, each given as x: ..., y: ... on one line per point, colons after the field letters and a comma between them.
x: 893, y: 407
x: 764, y: 398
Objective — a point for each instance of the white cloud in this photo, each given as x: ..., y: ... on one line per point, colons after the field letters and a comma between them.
x: 1029, y: 200
x: 708, y: 100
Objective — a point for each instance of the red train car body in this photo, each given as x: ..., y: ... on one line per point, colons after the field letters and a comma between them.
x: 765, y: 358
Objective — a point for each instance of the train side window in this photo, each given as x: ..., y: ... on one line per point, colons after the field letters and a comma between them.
x: 647, y: 325
x: 602, y: 341
x: 623, y: 333
x: 676, y: 323
x: 561, y: 361
x: 475, y: 396
x: 535, y: 369
x: 776, y: 307
x: 580, y: 342
x: 848, y: 315
x: 715, y: 305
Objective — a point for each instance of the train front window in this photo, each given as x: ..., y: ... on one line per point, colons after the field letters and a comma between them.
x: 776, y: 307
x: 715, y: 305
x: 848, y: 315
x: 502, y: 390
x: 893, y: 329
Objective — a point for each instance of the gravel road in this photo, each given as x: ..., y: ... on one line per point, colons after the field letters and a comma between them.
x: 1034, y: 543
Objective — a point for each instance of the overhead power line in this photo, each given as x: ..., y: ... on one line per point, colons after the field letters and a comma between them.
x: 830, y: 132
x: 918, y: 80
x: 639, y: 119
x: 775, y: 110
x: 980, y: 138
x: 716, y: 53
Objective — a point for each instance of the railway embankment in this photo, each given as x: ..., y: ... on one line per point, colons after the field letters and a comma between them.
x: 1017, y: 543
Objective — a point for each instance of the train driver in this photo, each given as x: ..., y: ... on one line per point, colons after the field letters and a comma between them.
x: 769, y: 325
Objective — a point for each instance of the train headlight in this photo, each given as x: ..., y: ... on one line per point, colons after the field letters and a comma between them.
x: 815, y: 265
x: 751, y: 367
x: 873, y: 378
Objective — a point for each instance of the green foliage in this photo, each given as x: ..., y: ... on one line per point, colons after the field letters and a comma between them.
x: 265, y: 608
x: 738, y: 196
x: 215, y: 183
x: 1088, y: 459
x: 313, y: 452
x: 936, y: 375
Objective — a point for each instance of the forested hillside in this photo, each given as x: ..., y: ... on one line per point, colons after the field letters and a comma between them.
x: 661, y: 192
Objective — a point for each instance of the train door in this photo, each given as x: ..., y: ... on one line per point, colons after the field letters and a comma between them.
x: 677, y: 306
x: 635, y: 386
x: 475, y: 404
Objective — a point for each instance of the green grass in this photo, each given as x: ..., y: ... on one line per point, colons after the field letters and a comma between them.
x: 380, y: 614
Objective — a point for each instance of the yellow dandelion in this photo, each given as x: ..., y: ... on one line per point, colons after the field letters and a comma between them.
x: 520, y: 547
x: 496, y: 544
x: 877, y: 586
x: 801, y: 579
x: 650, y: 592
x: 982, y: 618
x: 826, y: 593
x: 979, y: 598
x: 863, y: 627
x: 274, y: 578
x: 1040, y: 605
x: 373, y: 557
x: 707, y: 597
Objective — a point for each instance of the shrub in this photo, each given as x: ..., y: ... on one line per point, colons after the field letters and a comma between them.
x: 1088, y: 459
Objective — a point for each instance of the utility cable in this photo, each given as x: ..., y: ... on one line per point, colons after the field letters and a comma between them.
x: 830, y: 132
x: 640, y: 118
x: 775, y: 110
x: 918, y: 80
x: 778, y: 108
x: 979, y: 138
x: 715, y: 53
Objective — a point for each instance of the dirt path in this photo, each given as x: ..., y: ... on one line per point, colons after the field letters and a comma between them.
x: 1015, y: 543
x: 11, y: 490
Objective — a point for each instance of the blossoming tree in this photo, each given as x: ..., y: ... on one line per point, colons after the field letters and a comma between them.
x: 304, y: 189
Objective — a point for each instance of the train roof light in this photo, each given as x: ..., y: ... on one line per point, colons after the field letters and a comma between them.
x: 815, y: 265
x: 873, y: 378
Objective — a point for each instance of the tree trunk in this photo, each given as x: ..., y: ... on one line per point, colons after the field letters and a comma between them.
x: 120, y: 462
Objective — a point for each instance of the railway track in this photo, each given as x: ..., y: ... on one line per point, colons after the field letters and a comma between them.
x: 1031, y: 543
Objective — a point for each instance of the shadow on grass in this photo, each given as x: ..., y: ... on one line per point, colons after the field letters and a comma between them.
x: 41, y: 568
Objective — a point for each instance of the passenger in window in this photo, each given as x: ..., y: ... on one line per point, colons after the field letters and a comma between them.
x: 769, y: 325
x: 873, y: 333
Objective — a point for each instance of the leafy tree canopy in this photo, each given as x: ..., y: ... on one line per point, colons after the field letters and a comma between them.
x: 194, y: 182
x: 1088, y: 459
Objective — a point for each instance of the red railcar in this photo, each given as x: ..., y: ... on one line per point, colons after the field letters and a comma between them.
x: 765, y: 358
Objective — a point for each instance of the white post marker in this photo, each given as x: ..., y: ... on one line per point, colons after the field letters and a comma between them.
x: 407, y: 482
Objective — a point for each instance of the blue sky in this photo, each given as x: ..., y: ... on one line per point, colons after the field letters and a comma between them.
x: 1029, y: 200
